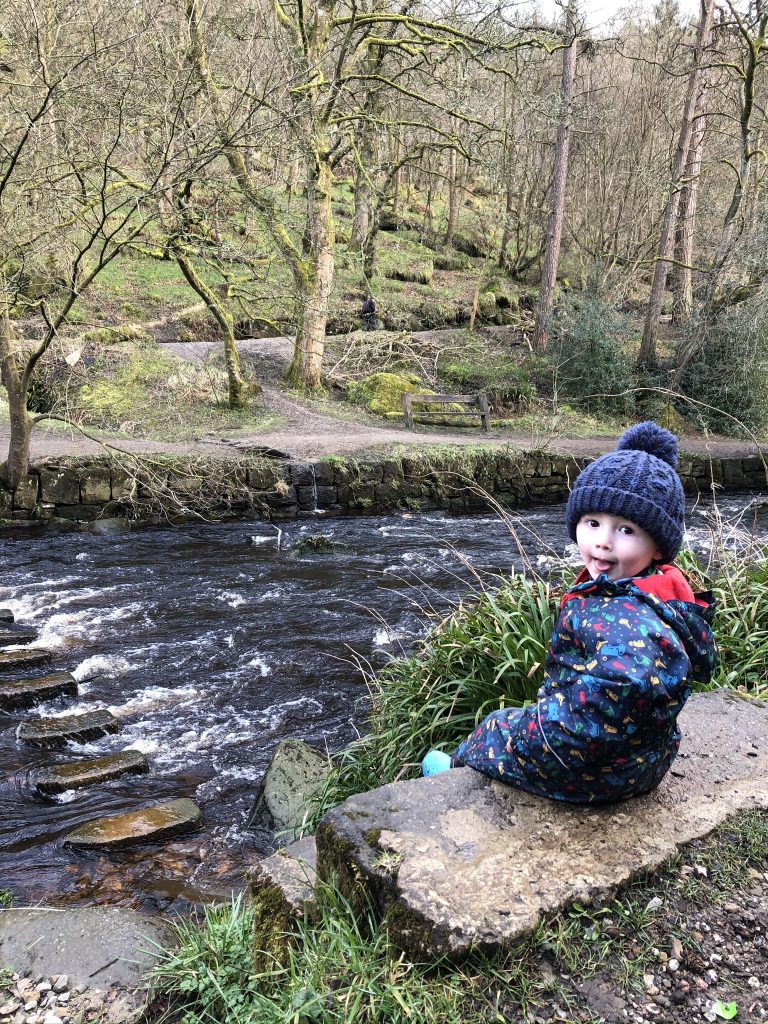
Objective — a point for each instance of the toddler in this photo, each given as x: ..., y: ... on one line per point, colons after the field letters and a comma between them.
x: 630, y: 637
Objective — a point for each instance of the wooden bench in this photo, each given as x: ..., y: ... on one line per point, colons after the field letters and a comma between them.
x: 480, y: 402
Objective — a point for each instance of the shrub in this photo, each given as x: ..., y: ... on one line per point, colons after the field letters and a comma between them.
x: 113, y: 335
x: 587, y: 353
x: 729, y: 373
x: 504, y: 382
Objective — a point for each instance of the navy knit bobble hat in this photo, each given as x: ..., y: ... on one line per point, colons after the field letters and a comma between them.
x: 637, y: 481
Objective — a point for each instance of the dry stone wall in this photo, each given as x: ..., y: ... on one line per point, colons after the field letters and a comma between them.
x: 455, y: 480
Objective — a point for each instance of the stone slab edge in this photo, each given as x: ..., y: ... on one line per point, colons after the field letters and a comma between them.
x: 94, y: 946
x: 458, y: 861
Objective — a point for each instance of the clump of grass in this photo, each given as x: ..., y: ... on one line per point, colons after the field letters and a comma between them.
x: 206, y: 976
x: 337, y: 967
x: 488, y: 653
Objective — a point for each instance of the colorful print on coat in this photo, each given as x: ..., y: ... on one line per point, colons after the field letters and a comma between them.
x: 618, y: 671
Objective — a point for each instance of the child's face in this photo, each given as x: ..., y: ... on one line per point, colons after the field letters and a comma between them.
x: 613, y: 545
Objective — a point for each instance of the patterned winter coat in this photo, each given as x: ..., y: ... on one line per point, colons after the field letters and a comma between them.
x: 618, y: 671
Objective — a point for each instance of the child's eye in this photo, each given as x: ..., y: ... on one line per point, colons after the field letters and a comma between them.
x: 626, y: 529
x: 592, y: 522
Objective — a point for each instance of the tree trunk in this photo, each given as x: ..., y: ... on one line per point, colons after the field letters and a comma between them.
x: 557, y: 204
x: 509, y: 219
x: 361, y: 221
x: 647, y: 355
x: 239, y: 389
x: 17, y: 464
x: 305, y: 369
x: 682, y: 285
x: 453, y: 199
x: 756, y: 44
x: 362, y: 216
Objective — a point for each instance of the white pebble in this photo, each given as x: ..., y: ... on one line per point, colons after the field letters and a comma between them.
x: 753, y: 982
x: 673, y: 965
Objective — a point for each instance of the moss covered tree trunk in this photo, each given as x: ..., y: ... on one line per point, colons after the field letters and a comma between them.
x: 238, y: 389
x: 317, y: 279
x: 16, y: 466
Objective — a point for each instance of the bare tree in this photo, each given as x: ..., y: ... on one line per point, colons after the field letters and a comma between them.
x: 67, y: 209
x: 557, y: 195
x: 647, y: 354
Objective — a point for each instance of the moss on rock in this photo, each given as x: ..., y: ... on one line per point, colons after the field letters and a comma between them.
x: 382, y: 393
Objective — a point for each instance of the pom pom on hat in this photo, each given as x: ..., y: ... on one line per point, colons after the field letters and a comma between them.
x: 650, y: 437
x: 638, y: 482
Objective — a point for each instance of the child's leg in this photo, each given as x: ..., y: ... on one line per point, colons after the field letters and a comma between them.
x: 485, y: 749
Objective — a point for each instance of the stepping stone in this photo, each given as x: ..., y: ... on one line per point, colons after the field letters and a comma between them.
x: 161, y: 821
x: 11, y: 661
x: 55, y: 732
x: 6, y: 615
x: 24, y: 693
x: 79, y: 774
x: 10, y: 634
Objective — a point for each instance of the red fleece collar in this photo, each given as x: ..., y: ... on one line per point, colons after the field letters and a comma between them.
x: 668, y: 583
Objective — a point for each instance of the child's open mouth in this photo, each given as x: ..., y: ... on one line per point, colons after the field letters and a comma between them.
x: 602, y: 565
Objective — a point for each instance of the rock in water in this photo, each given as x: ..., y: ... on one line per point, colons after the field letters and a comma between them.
x: 11, y: 661
x: 55, y: 732
x: 6, y: 615
x: 90, y: 772
x: 295, y: 774
x: 160, y: 821
x: 10, y: 635
x: 24, y: 693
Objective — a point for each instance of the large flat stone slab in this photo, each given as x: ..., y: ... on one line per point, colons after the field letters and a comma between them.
x: 55, y: 732
x: 12, y: 661
x: 460, y: 861
x: 10, y: 635
x: 95, y: 946
x: 148, y: 825
x: 25, y: 693
x: 90, y: 772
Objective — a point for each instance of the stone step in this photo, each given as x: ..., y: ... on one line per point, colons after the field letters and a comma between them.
x: 90, y: 772
x: 24, y: 693
x: 11, y: 634
x: 11, y: 661
x: 160, y: 821
x: 55, y: 732
x: 6, y: 615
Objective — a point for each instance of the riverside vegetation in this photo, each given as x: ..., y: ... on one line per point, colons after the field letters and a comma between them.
x: 489, y: 652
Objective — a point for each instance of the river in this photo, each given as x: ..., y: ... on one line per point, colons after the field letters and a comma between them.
x: 213, y: 642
